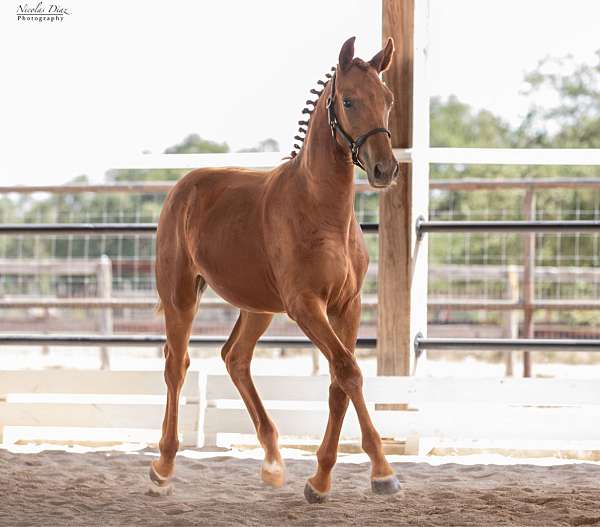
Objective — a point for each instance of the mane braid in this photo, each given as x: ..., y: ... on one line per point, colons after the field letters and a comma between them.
x: 304, y: 124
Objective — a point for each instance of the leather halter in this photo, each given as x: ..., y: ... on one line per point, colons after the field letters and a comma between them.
x: 335, y: 126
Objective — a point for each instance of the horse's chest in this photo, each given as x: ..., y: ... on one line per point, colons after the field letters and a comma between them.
x: 340, y: 272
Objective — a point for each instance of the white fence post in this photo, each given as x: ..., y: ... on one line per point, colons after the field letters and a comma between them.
x: 104, y: 280
x: 206, y: 439
x: 192, y: 423
x: 511, y: 317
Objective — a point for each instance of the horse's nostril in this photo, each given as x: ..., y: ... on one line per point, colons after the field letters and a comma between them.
x: 385, y: 171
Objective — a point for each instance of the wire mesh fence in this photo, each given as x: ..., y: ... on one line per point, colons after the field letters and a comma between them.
x: 463, y: 267
x: 566, y: 271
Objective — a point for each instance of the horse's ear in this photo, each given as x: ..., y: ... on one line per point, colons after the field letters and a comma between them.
x: 347, y: 54
x: 382, y: 60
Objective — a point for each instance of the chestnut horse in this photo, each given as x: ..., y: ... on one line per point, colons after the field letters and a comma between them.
x: 280, y: 241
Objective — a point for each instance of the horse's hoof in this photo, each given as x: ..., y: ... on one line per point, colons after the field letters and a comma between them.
x: 312, y: 495
x: 273, y: 474
x: 161, y: 486
x: 387, y: 485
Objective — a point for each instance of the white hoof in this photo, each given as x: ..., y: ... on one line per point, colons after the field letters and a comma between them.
x: 273, y: 473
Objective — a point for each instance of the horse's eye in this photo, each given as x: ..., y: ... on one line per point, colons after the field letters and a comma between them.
x: 347, y: 103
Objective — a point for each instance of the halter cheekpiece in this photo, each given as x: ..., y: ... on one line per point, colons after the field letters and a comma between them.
x: 336, y: 127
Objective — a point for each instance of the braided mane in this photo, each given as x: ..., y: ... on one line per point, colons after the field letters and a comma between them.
x: 309, y: 111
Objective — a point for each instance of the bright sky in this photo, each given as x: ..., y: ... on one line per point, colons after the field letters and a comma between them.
x: 120, y: 77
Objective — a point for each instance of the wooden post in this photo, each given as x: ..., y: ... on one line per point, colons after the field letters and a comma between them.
x: 511, y: 320
x: 104, y: 279
x: 528, y: 277
x: 402, y: 281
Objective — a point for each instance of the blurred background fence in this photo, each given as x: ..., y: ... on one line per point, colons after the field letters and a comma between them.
x: 492, y: 285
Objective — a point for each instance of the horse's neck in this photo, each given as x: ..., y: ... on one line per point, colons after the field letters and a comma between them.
x: 327, y: 167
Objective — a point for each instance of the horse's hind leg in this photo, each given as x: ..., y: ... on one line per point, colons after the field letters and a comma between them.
x: 237, y: 354
x: 179, y: 310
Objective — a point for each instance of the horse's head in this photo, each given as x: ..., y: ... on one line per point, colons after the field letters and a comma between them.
x: 360, y: 111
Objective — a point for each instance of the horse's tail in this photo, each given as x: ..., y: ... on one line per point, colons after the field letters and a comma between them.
x: 200, y: 288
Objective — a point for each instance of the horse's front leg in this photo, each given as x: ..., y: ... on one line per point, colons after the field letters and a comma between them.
x: 310, y: 314
x: 345, y: 325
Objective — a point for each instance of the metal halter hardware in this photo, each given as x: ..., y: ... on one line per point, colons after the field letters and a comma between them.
x: 336, y: 127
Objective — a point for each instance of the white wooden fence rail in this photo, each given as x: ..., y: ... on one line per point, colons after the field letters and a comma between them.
x: 440, y: 408
x: 267, y: 160
x: 96, y: 399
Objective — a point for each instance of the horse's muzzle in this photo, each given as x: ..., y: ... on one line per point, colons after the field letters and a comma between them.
x: 383, y: 174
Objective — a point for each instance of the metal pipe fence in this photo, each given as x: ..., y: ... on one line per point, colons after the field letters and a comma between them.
x: 481, y: 344
x: 489, y: 227
x: 103, y: 228
x: 157, y: 340
x: 422, y: 227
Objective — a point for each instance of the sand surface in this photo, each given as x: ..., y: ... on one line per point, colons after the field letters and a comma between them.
x: 60, y: 488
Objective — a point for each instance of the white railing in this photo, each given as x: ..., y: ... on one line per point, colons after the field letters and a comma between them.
x: 514, y: 156
x: 434, y: 155
x: 442, y: 409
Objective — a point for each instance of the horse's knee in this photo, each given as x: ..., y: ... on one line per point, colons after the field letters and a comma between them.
x: 347, y: 374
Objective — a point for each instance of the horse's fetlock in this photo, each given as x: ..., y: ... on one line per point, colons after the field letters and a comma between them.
x: 267, y: 432
x: 371, y: 443
x: 326, y: 459
x: 169, y: 449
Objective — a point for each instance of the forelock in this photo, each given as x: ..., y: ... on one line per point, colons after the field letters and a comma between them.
x: 360, y: 63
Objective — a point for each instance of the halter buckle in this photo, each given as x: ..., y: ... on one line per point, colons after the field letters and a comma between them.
x: 354, y: 150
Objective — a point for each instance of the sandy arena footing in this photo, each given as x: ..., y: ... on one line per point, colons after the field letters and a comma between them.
x: 60, y: 488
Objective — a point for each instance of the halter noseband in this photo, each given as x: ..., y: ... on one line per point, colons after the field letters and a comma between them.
x: 336, y: 127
